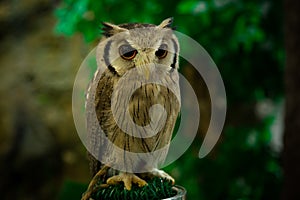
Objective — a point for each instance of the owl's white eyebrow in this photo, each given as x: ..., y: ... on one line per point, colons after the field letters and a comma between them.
x: 158, y: 44
x: 129, y: 42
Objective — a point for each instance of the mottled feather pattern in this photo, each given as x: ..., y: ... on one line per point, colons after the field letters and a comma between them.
x: 139, y: 106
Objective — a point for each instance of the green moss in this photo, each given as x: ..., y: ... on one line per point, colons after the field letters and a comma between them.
x: 157, y: 188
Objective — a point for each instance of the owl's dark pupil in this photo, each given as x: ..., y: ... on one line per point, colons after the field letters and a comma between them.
x: 162, y: 51
x: 127, y: 52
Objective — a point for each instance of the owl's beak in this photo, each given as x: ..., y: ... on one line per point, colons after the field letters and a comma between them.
x: 144, y: 64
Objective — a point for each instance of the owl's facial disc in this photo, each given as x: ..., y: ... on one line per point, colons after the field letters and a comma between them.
x: 148, y: 50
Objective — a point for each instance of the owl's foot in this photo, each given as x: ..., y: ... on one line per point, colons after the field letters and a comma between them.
x: 93, y: 183
x: 127, y: 179
x: 161, y: 174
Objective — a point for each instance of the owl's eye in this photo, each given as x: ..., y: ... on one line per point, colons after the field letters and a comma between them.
x: 162, y: 51
x: 127, y: 52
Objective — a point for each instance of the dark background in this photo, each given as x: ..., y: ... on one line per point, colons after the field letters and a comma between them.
x: 44, y: 42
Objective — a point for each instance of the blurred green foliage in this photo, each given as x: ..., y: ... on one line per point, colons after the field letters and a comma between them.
x: 72, y: 190
x: 245, y: 40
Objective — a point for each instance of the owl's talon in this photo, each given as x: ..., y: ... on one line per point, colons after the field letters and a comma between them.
x: 127, y: 179
x: 161, y: 174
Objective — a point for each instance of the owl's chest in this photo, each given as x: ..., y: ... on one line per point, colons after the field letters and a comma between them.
x: 131, y: 97
x: 143, y: 109
x: 148, y: 93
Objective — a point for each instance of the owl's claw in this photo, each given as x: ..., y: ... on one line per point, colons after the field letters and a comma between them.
x: 127, y: 179
x: 161, y: 174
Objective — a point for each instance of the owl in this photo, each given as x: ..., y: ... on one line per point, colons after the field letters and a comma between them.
x: 132, y: 103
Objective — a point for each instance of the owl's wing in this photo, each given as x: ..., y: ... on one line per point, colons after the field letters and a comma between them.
x: 93, y: 130
x: 94, y: 140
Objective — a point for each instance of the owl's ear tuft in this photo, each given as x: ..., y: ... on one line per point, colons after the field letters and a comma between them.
x: 166, y: 23
x: 111, y: 29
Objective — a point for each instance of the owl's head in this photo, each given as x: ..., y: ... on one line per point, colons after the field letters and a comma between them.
x: 141, y: 46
